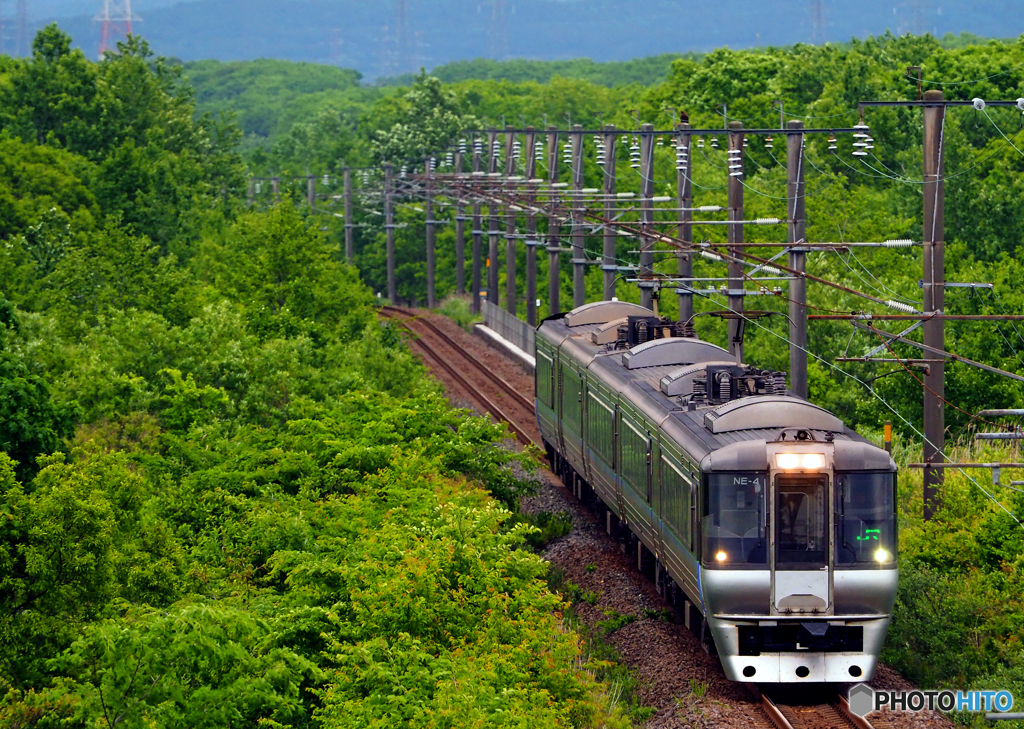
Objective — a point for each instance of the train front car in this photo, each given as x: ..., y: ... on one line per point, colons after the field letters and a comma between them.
x: 767, y: 521
x: 798, y: 573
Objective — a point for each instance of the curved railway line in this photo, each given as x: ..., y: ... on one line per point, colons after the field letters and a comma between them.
x: 508, y: 405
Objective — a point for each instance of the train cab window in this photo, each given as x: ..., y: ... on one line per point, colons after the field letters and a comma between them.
x: 545, y: 371
x: 866, y: 518
x: 801, y: 523
x: 732, y: 522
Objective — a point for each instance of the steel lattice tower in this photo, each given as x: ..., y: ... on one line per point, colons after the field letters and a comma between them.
x: 117, y: 19
x: 817, y: 22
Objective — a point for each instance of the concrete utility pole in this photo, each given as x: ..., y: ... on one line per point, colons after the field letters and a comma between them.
x: 311, y: 191
x: 275, y: 187
x: 428, y: 214
x: 349, y: 225
x: 736, y: 325
x: 252, y: 191
x: 934, y: 295
x: 646, y: 216
x: 684, y: 198
x: 460, y: 229
x: 608, y: 258
x: 477, y: 231
x: 553, y: 226
x: 511, y: 294
x: 494, y: 215
x: 530, y: 172
x: 795, y: 193
x: 579, y: 257
x: 389, y: 227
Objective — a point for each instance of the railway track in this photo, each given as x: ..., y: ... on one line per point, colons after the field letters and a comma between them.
x: 831, y: 712
x: 429, y: 341
x: 824, y: 711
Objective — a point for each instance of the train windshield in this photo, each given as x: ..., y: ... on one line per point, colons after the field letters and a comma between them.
x: 733, y: 519
x: 866, y: 515
x: 801, y: 519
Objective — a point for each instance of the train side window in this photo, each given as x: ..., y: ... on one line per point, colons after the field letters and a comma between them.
x: 601, y: 426
x: 545, y: 370
x: 571, y: 390
x: 636, y: 450
x: 675, y: 498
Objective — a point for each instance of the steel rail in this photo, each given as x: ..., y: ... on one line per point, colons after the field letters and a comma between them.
x: 489, y: 405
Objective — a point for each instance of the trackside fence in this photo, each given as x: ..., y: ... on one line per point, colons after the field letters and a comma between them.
x: 510, y: 327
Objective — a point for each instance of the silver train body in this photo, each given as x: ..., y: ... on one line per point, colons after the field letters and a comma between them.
x: 769, y: 523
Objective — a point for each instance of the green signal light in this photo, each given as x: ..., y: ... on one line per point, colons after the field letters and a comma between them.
x: 870, y: 534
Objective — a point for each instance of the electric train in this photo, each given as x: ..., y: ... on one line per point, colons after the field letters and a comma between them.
x: 767, y: 521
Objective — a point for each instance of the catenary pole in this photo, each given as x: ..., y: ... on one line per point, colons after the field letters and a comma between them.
x: 553, y: 227
x: 797, y: 258
x: 428, y: 211
x: 735, y: 270
x: 579, y: 259
x: 530, y: 173
x: 494, y: 216
x: 510, y: 228
x: 934, y: 295
x: 389, y: 227
x: 460, y: 228
x: 646, y: 273
x: 608, y: 258
x: 349, y: 225
x: 684, y: 196
x: 477, y: 231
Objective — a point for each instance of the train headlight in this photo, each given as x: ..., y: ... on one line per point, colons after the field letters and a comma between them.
x: 721, y: 556
x: 813, y: 461
x: 788, y: 460
x: 807, y: 461
x: 881, y: 556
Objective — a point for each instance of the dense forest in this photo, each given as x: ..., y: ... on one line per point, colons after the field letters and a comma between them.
x: 229, y: 495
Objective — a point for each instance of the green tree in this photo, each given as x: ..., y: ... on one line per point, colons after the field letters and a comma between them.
x: 427, y: 119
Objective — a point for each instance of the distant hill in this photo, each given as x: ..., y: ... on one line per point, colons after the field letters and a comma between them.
x: 360, y: 34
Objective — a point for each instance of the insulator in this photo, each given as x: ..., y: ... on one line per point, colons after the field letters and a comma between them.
x: 898, y: 243
x: 462, y: 146
x: 449, y: 160
x: 710, y: 209
x: 768, y: 142
x: 735, y: 174
x: 700, y: 142
x: 900, y: 306
x: 744, y: 142
x: 635, y: 165
x: 259, y: 188
x: 766, y: 221
x: 859, y: 153
x: 714, y: 142
x: 771, y: 269
x: 327, y: 180
x: 711, y: 256
x: 661, y: 142
x: 861, y: 132
x: 779, y: 380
